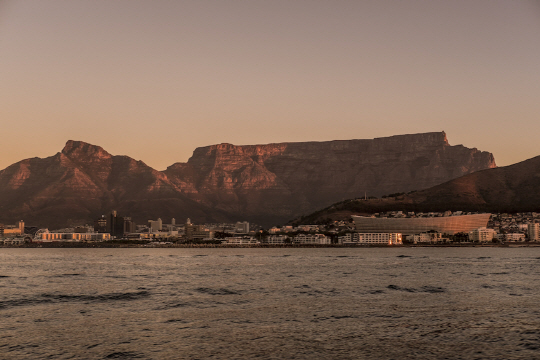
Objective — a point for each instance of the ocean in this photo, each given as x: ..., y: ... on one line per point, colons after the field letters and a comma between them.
x: 282, y: 303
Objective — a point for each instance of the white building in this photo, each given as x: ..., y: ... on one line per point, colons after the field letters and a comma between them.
x: 482, y: 235
x: 380, y: 239
x: 349, y: 239
x: 514, y: 237
x: 316, y: 239
x: 13, y: 241
x: 240, y: 240
x: 533, y: 232
x: 276, y: 239
x: 50, y: 237
x: 356, y: 238
x: 427, y: 237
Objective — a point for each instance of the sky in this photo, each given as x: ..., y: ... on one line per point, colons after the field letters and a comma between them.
x: 156, y: 79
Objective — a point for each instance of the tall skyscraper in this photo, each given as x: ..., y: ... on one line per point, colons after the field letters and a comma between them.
x: 116, y: 225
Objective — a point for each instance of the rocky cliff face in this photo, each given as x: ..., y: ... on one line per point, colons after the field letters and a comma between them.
x: 276, y: 181
x: 262, y: 183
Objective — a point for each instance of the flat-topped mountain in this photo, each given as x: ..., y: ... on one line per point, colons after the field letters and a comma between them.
x: 262, y: 183
x: 271, y: 182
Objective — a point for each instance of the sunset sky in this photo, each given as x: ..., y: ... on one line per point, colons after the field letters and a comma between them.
x: 156, y: 79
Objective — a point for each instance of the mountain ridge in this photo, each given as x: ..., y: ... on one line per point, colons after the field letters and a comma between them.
x: 268, y: 183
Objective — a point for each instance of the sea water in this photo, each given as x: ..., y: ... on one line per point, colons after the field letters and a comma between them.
x: 313, y: 303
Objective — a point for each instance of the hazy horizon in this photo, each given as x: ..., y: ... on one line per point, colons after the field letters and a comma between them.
x: 155, y: 80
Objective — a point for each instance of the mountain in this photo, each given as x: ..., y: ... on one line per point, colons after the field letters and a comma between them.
x: 267, y: 184
x: 274, y: 182
x: 83, y: 181
x: 514, y: 188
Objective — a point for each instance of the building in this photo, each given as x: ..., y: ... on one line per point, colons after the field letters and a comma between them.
x: 76, y: 237
x: 514, y: 237
x: 240, y: 240
x: 410, y: 226
x: 155, y: 226
x: 482, y: 235
x: 197, y: 232
x: 427, y: 237
x: 242, y: 227
x: 356, y: 238
x: 152, y: 235
x: 129, y: 226
x: 349, y: 239
x: 315, y: 239
x: 277, y: 239
x: 116, y: 225
x: 380, y: 239
x: 12, y: 230
x: 100, y: 225
x: 533, y: 232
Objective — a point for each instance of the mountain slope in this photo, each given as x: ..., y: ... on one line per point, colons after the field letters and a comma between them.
x: 82, y: 182
x: 514, y: 188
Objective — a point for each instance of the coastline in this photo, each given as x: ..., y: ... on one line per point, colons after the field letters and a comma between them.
x: 86, y: 245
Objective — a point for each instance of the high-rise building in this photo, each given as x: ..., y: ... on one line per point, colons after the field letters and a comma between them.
x: 129, y: 225
x: 116, y: 225
x: 533, y: 231
x: 100, y: 225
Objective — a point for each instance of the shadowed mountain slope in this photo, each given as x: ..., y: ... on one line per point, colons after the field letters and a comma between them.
x: 514, y: 188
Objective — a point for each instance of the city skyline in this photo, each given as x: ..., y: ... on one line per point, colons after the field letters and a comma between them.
x: 156, y: 80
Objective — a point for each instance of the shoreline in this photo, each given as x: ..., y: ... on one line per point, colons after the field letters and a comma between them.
x: 107, y: 245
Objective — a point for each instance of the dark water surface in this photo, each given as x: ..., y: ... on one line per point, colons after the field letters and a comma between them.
x: 404, y: 303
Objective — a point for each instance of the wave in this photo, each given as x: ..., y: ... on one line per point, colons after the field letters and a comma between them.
x: 63, y: 298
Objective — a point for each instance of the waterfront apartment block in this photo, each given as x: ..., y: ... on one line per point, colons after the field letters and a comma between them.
x: 356, y: 238
x: 380, y: 239
x: 314, y: 239
x: 428, y: 237
x: 52, y: 236
x: 482, y: 235
x: 276, y: 239
x: 240, y: 240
